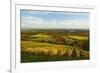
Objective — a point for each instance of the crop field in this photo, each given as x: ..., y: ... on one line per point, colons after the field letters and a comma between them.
x: 38, y: 45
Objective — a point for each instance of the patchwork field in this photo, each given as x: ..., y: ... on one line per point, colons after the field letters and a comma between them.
x: 54, y: 45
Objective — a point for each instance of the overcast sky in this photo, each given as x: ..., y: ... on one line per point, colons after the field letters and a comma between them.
x: 54, y: 20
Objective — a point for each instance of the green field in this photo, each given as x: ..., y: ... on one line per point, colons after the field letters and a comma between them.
x: 54, y: 45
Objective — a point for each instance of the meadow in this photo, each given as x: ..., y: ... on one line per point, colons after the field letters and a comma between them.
x: 42, y: 45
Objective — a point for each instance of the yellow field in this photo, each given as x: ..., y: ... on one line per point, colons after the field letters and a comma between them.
x: 45, y: 48
x: 37, y: 48
x: 79, y: 37
x: 41, y: 36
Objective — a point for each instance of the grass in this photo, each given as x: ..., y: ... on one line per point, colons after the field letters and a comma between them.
x: 43, y: 58
x: 40, y: 36
x: 30, y: 58
x: 43, y: 46
x: 79, y: 37
x: 39, y: 52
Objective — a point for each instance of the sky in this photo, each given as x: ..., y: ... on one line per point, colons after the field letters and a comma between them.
x: 54, y: 20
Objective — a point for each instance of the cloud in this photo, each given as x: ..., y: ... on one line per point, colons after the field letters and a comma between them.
x: 75, y: 24
x: 30, y: 22
x: 39, y: 23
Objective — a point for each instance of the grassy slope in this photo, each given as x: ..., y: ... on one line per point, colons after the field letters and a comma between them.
x: 35, y: 51
x: 56, y: 52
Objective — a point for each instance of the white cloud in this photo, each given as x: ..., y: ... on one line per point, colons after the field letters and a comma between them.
x: 34, y: 22
x: 75, y: 24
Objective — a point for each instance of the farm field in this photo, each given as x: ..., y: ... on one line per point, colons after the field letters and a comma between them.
x: 42, y: 45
